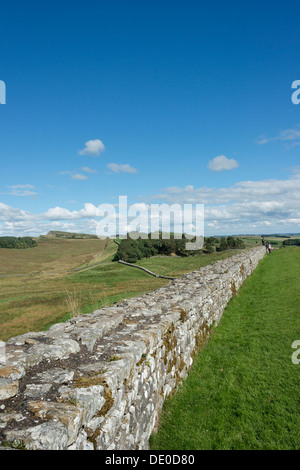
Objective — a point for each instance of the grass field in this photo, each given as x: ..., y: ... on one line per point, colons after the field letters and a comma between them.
x: 51, y: 256
x: 41, y: 286
x: 243, y: 391
x: 33, y: 291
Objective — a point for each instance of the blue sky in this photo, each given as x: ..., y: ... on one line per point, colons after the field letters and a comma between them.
x: 165, y: 101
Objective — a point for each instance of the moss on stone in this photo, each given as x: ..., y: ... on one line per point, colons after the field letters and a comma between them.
x: 172, y: 362
x: 143, y: 358
x: 114, y: 358
x: 181, y: 364
x: 109, y: 402
x: 90, y: 381
x: 183, y: 315
x: 93, y: 438
x: 201, y: 338
x: 169, y: 342
x: 242, y: 270
x: 233, y: 288
x: 182, y: 311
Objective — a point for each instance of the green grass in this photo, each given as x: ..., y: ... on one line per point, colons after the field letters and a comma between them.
x: 243, y: 391
x: 113, y: 273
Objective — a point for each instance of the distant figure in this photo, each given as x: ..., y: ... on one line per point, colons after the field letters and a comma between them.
x: 263, y: 241
x: 268, y: 247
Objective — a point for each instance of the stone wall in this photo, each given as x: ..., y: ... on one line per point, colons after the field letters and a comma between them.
x: 99, y: 381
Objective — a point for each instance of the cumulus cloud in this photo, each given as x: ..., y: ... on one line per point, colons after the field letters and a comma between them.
x: 266, y: 206
x: 17, y: 222
x: 243, y: 191
x: 8, y: 214
x: 245, y: 206
x: 121, y: 168
x: 221, y: 163
x: 60, y: 213
x: 93, y: 148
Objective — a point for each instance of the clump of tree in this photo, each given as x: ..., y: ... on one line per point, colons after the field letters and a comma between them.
x: 218, y: 244
x: 17, y: 242
x: 291, y: 241
x: 230, y: 243
x: 210, y: 244
x: 130, y: 250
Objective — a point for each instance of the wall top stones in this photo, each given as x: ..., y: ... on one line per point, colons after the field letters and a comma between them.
x: 98, y: 381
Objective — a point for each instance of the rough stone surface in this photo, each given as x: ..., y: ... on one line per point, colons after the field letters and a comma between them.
x: 99, y: 380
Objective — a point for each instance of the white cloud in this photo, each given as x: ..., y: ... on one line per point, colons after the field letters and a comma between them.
x: 221, y: 163
x: 238, y: 208
x: 266, y: 206
x: 121, y: 168
x: 93, y: 147
x: 17, y: 222
x: 60, y: 213
x: 8, y: 213
x: 263, y: 140
x: 88, y: 170
x: 22, y: 186
x: 243, y: 191
x: 21, y: 190
x: 78, y: 176
x: 290, y: 136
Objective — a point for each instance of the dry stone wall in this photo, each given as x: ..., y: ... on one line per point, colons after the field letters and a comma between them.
x: 99, y: 381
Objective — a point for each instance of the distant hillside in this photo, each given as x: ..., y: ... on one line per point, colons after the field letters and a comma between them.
x: 68, y: 235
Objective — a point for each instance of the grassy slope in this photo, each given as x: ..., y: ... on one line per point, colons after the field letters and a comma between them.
x: 28, y: 303
x: 243, y: 389
x: 50, y: 254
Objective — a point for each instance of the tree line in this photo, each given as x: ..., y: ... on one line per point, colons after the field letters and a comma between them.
x: 291, y: 241
x: 17, y: 242
x: 223, y: 244
x: 132, y: 250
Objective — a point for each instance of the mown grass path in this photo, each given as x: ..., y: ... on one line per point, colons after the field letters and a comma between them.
x: 243, y: 391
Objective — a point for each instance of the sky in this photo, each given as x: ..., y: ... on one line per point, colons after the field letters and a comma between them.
x: 164, y: 102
